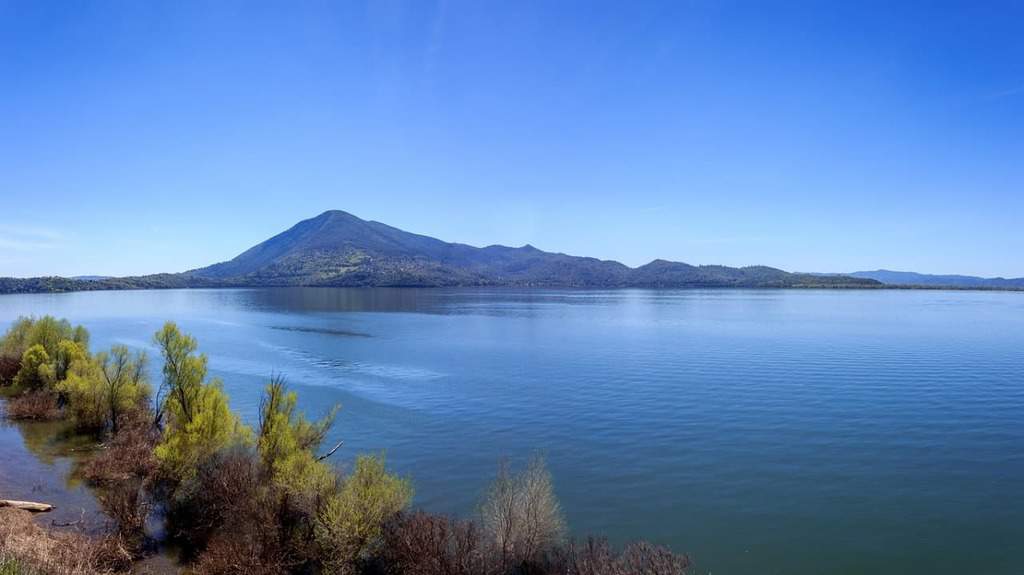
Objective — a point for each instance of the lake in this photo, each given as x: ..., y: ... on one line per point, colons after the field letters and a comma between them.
x: 761, y: 431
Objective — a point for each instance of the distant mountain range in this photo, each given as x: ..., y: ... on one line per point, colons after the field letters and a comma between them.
x: 339, y: 249
x: 915, y: 279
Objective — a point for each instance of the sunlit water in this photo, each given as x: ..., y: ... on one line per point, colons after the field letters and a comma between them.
x: 761, y: 431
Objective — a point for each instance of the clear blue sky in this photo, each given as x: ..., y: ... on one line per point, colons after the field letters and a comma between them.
x: 140, y: 137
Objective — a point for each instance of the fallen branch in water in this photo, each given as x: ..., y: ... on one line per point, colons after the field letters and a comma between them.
x: 26, y: 505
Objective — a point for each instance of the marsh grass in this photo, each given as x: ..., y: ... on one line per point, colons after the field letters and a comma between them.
x: 27, y: 548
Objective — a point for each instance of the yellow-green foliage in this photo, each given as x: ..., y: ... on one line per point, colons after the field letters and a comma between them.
x: 83, y: 387
x: 47, y: 347
x: 350, y: 521
x: 288, y: 442
x: 15, y: 341
x: 36, y: 369
x: 68, y: 352
x: 197, y: 419
x: 101, y: 389
x: 47, y: 331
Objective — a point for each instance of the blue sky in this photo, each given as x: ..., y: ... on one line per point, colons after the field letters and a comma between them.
x: 140, y: 137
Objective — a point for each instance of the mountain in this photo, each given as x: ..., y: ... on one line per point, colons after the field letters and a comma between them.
x: 339, y: 249
x: 889, y: 277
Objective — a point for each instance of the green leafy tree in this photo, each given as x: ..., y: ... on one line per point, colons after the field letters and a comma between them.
x: 349, y: 524
x: 124, y: 381
x: 101, y: 390
x: 197, y: 419
x: 288, y: 442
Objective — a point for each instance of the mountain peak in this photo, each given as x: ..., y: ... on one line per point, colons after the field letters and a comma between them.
x: 335, y: 215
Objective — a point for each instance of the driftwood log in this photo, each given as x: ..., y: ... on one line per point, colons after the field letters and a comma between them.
x: 26, y: 505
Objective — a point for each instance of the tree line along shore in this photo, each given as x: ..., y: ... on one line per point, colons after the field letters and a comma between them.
x: 263, y: 499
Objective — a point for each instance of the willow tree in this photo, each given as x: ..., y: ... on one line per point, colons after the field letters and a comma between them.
x: 288, y: 443
x: 197, y: 421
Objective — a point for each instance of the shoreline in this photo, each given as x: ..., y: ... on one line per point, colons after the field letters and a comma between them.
x: 825, y: 287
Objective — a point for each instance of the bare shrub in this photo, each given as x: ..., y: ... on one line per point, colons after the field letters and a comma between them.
x: 240, y: 553
x: 223, y: 484
x: 232, y: 521
x: 645, y: 559
x: 423, y: 544
x: 521, y: 516
x: 128, y: 454
x: 126, y: 504
x: 593, y: 557
x: 596, y: 557
x: 34, y: 405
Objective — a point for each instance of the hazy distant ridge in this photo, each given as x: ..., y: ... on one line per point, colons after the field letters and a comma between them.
x: 889, y: 277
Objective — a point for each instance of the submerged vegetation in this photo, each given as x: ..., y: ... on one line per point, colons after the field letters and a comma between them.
x: 240, y: 500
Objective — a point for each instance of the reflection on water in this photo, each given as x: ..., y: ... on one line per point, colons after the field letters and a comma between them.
x: 40, y: 462
x: 760, y: 430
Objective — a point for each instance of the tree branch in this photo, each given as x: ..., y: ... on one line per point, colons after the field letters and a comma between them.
x: 331, y: 452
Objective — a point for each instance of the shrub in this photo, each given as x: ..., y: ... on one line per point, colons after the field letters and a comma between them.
x: 127, y: 505
x: 423, y: 544
x: 235, y: 521
x: 350, y: 522
x: 128, y: 454
x: 520, y: 514
x: 596, y: 557
x: 40, y: 405
x: 240, y: 554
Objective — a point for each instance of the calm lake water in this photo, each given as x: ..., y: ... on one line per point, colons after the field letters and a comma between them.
x: 762, y: 431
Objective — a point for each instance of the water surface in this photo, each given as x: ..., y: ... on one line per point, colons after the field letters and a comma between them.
x: 763, y: 431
